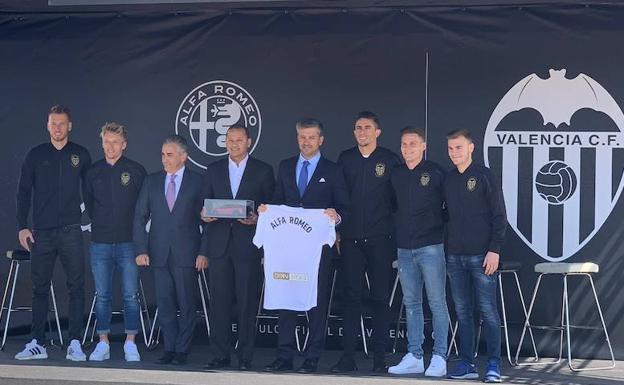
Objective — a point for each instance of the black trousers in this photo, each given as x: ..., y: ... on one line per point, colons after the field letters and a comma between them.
x: 237, y: 273
x: 176, y: 290
x: 374, y: 256
x: 317, y: 317
x: 66, y: 243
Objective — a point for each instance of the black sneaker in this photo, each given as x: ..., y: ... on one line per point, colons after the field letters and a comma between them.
x: 344, y: 365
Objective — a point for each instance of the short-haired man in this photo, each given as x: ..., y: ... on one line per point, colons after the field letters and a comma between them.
x: 51, y: 176
x: 235, y: 262
x: 419, y: 185
x: 475, y: 235
x: 112, y: 186
x: 367, y: 238
x: 311, y: 181
x: 172, y: 199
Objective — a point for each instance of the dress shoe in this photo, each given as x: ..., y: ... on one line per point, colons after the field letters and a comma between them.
x: 180, y: 359
x: 310, y: 365
x: 244, y: 365
x: 166, y: 358
x: 279, y: 365
x: 380, y: 366
x: 217, y: 363
x: 344, y: 365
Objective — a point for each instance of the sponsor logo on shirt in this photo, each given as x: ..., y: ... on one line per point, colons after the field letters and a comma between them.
x: 125, y: 178
x: 302, y: 277
x: 471, y: 184
x: 424, y: 179
x: 293, y: 221
x: 380, y: 169
x: 75, y: 160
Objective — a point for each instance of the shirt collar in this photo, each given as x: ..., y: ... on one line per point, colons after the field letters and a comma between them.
x: 418, y: 166
x: 179, y: 173
x: 369, y: 156
x: 64, y: 148
x: 116, y: 163
x: 313, y: 160
x: 466, y: 170
x: 242, y: 163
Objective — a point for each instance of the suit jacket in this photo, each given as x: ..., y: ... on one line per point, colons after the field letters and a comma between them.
x: 257, y: 184
x: 175, y: 231
x: 327, y: 187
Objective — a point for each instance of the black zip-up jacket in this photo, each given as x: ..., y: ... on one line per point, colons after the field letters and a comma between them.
x: 420, y: 205
x: 55, y: 176
x: 476, y: 208
x: 370, y: 191
x: 110, y: 195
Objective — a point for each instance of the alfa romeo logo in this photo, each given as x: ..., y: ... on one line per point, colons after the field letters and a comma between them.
x: 208, y: 111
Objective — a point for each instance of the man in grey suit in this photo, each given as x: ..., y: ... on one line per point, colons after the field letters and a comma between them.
x: 172, y: 199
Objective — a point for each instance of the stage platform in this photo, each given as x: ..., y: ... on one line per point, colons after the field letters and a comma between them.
x: 56, y: 370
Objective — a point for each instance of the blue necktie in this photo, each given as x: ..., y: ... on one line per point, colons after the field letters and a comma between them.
x: 302, y: 183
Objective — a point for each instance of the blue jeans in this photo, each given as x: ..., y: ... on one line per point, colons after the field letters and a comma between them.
x: 470, y: 284
x: 104, y: 258
x: 418, y: 267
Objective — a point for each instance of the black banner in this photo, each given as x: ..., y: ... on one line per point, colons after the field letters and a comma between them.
x: 539, y: 86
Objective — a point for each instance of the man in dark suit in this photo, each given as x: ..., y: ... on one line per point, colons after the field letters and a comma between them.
x: 310, y: 181
x: 172, y: 199
x: 234, y: 260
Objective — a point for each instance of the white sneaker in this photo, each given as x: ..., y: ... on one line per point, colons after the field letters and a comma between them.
x: 101, y: 352
x: 408, y: 365
x: 437, y: 367
x: 32, y: 351
x: 74, y: 351
x: 131, y: 353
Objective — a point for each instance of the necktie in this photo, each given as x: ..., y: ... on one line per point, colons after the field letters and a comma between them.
x: 302, y: 183
x: 171, y: 192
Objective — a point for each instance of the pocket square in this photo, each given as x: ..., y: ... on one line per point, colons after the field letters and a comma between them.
x: 322, y: 180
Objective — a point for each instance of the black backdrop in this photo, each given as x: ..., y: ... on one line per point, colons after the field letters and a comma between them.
x: 440, y: 67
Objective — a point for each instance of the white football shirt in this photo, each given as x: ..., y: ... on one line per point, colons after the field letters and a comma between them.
x: 293, y: 240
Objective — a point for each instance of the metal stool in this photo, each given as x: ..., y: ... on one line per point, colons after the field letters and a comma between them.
x: 505, y: 267
x: 17, y: 257
x: 143, y: 313
x: 566, y: 269
x: 202, y: 282
x: 395, y: 286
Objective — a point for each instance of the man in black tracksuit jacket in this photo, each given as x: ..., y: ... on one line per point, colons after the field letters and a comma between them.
x: 367, y: 237
x: 475, y: 235
x: 419, y: 188
x: 112, y: 186
x: 51, y: 176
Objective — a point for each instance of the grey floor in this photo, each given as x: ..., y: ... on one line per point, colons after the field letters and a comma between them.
x: 57, y: 370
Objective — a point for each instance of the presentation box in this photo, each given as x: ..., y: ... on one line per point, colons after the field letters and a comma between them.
x: 228, y: 208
